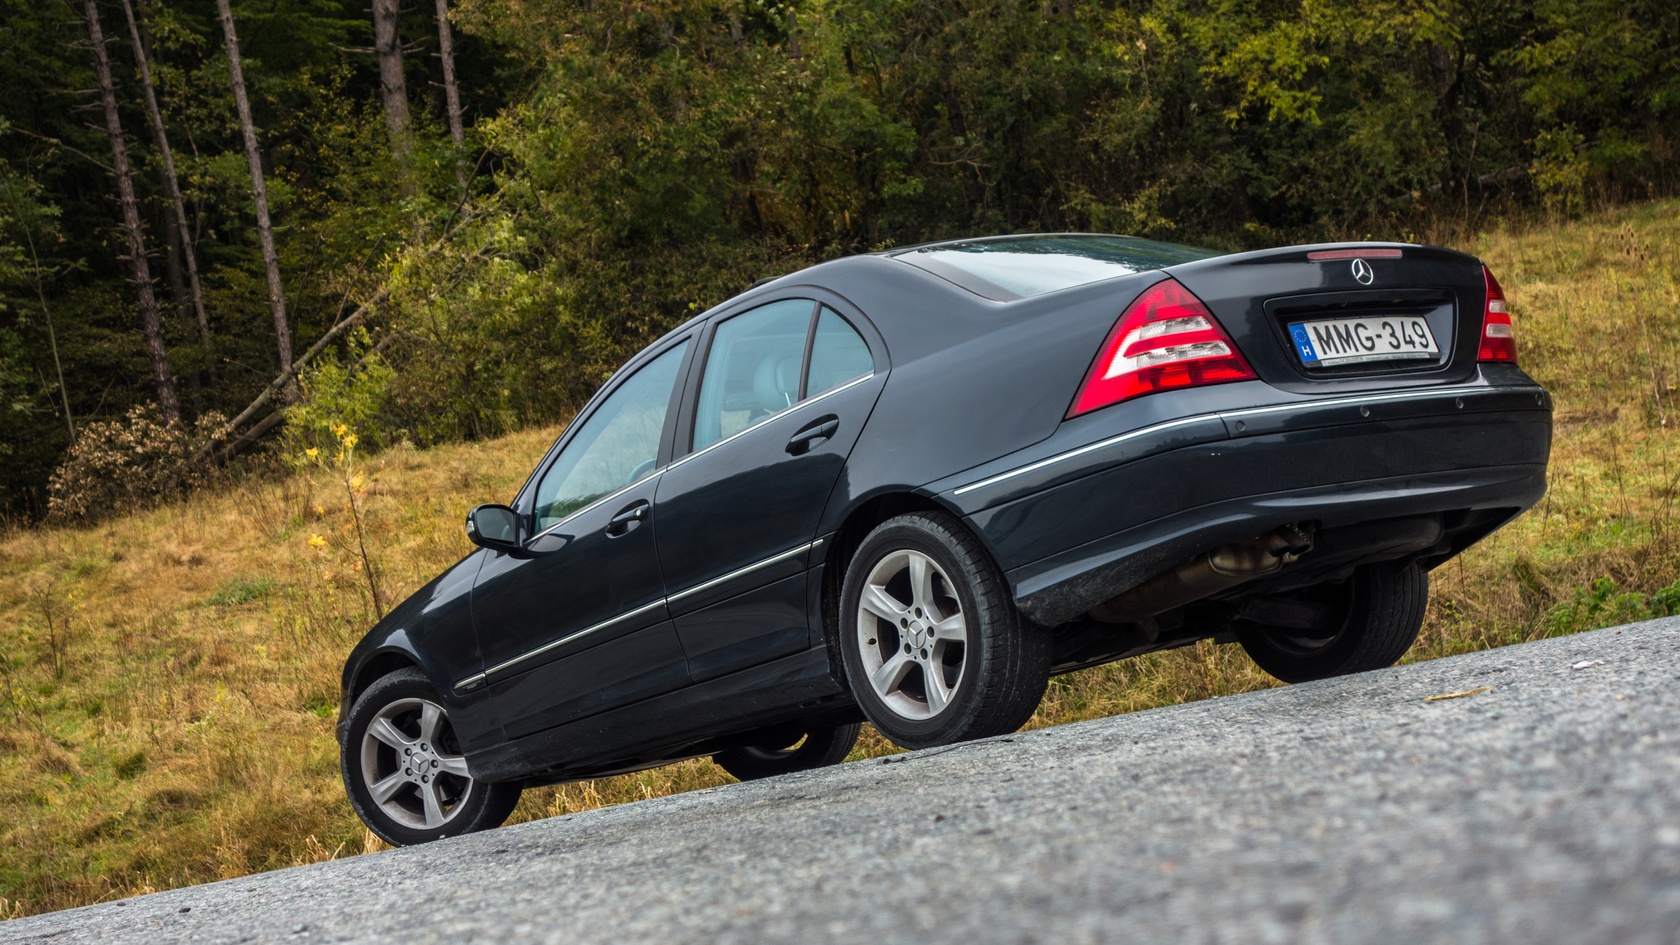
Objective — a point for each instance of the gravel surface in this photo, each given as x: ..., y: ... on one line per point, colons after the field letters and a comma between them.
x: 1544, y: 809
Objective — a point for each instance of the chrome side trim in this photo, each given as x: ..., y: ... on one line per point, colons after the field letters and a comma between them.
x: 478, y: 679
x: 673, y: 464
x: 740, y: 572
x: 1237, y: 415
x: 651, y: 605
x: 1081, y: 451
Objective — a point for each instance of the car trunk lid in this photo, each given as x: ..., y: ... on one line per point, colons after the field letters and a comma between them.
x: 1346, y: 316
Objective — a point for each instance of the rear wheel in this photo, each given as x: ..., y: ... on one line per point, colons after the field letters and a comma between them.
x: 1369, y: 622
x: 404, y: 770
x: 793, y: 748
x: 934, y: 648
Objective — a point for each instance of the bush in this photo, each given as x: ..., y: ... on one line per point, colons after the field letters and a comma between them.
x: 118, y: 466
x: 335, y: 394
x: 1606, y: 605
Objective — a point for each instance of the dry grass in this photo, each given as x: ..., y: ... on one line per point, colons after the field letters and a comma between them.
x: 168, y: 681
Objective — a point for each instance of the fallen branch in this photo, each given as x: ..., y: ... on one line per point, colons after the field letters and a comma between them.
x: 285, y: 377
x: 334, y: 333
x: 274, y: 419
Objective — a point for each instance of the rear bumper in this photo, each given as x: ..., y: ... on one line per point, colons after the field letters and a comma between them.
x: 1077, y: 528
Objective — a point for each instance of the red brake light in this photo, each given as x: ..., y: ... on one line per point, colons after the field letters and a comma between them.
x: 1498, y: 341
x: 1166, y: 339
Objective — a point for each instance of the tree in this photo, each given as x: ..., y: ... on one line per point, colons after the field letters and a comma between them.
x: 451, y: 91
x: 392, y: 87
x: 259, y: 196
x: 141, y: 270
x: 27, y: 215
x: 172, y: 183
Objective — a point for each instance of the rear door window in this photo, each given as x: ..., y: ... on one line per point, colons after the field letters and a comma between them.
x: 753, y: 370
x: 838, y: 354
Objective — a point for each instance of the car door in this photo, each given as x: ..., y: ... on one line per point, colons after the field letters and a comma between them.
x: 582, y: 629
x: 784, y: 390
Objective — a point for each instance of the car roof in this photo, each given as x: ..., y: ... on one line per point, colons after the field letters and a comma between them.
x: 932, y: 281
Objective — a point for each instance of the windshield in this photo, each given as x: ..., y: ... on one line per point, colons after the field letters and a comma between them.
x: 1018, y: 267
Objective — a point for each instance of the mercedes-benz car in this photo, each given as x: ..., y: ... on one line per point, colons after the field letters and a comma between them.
x: 909, y: 487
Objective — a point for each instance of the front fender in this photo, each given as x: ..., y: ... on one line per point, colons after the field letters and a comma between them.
x: 431, y: 630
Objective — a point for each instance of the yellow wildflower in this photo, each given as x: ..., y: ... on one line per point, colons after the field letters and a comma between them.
x: 356, y: 482
x: 349, y: 441
x: 339, y: 429
x: 312, y: 452
x: 316, y: 541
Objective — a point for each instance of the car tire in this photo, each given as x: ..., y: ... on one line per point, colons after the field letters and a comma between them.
x: 924, y: 605
x: 396, y: 721
x: 1377, y: 614
x: 788, y: 750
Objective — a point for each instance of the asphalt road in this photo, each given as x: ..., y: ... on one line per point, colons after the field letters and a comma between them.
x: 1545, y: 809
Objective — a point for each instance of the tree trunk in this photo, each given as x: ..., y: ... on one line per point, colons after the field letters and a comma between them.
x: 259, y: 195
x: 46, y: 313
x: 141, y: 269
x: 451, y: 91
x: 171, y: 181
x: 392, y: 87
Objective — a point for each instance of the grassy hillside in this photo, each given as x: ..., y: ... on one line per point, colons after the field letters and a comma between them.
x: 168, y: 681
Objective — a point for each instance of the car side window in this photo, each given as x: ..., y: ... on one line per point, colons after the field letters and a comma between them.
x: 838, y: 354
x: 617, y: 446
x: 752, y: 370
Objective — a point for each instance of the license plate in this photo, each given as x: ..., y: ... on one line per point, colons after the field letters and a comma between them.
x: 1353, y: 340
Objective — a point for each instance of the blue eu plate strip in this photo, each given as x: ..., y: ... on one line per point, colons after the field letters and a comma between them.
x: 1303, y: 343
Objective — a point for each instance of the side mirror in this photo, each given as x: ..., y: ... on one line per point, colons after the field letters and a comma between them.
x: 495, y: 527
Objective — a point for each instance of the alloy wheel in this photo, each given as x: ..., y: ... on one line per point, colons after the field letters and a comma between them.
x: 413, y: 766
x: 912, y: 635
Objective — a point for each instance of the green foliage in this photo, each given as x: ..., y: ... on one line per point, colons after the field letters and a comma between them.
x: 335, y: 393
x: 1603, y: 604
x: 31, y: 426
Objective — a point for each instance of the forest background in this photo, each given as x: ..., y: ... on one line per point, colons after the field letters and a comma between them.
x: 615, y: 167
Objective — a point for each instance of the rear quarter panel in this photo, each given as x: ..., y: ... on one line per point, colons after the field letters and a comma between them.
x: 971, y: 379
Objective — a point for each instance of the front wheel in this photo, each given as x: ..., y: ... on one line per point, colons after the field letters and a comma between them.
x: 404, y: 770
x: 1369, y: 621
x: 933, y: 646
x: 789, y: 749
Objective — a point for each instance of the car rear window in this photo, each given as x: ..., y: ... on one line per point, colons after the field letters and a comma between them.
x: 1018, y: 267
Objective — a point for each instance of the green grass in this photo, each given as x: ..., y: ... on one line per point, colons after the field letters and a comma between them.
x: 242, y: 591
x: 168, y: 681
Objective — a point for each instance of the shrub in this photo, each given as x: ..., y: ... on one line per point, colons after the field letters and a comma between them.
x: 1606, y: 605
x: 117, y: 466
x: 335, y: 393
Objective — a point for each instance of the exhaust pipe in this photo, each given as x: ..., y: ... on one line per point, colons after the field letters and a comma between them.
x: 1203, y: 575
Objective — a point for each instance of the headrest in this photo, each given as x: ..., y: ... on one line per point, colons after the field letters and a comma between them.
x: 776, y: 383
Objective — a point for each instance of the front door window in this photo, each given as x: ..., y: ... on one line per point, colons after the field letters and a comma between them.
x: 616, y: 447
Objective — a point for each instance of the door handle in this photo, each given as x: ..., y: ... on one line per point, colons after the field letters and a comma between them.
x: 813, y: 433
x: 628, y: 518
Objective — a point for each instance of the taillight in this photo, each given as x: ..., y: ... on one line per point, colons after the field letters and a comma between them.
x: 1166, y: 339
x: 1498, y: 341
